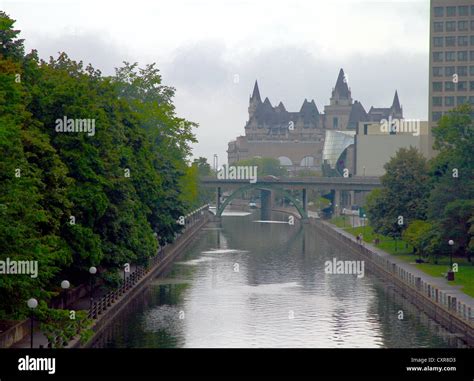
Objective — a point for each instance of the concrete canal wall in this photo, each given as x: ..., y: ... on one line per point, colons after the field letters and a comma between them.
x: 444, y: 303
x: 159, y: 264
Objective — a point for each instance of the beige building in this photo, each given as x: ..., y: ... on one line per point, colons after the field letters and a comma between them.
x: 375, y: 144
x: 451, y: 56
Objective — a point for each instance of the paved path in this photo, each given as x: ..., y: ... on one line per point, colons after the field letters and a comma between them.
x: 39, y: 340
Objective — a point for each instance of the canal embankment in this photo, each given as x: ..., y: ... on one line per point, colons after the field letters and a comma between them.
x: 442, y: 302
x: 105, y: 310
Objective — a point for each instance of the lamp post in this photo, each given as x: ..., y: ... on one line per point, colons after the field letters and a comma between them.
x: 363, y: 220
x: 92, y: 271
x: 451, y: 272
x: 65, y: 285
x: 32, y: 304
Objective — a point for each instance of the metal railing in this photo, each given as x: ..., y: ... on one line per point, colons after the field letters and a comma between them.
x: 101, y: 305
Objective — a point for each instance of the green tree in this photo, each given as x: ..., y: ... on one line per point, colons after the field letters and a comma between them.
x: 403, y: 197
x: 450, y: 201
x: 265, y: 166
x: 419, y: 235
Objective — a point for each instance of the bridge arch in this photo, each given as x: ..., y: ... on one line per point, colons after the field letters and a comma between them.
x: 274, y: 187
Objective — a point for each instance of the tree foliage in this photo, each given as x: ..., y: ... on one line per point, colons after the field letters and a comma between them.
x: 99, y: 197
x: 436, y: 200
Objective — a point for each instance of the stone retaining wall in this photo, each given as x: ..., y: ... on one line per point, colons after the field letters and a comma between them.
x: 441, y: 304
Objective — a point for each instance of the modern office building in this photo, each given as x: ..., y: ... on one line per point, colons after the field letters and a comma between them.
x: 451, y: 56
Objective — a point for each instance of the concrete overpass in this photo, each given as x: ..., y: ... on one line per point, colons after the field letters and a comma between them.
x: 267, y: 185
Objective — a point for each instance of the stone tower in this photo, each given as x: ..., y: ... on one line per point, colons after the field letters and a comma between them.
x: 339, y: 109
x: 255, y: 100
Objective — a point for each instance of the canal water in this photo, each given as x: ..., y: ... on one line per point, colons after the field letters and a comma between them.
x: 252, y: 283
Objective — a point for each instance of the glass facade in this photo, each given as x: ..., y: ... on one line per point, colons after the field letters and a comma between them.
x: 334, y: 145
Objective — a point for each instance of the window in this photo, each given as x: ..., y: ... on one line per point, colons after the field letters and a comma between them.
x: 463, y: 40
x: 334, y: 122
x: 471, y: 85
x: 449, y: 86
x: 450, y: 26
x: 450, y: 70
x: 462, y: 56
x: 449, y: 101
x: 451, y: 56
x: 472, y: 24
x: 450, y: 11
x: 471, y: 70
x: 471, y: 100
x: 450, y: 41
x: 438, y: 27
x: 463, y: 10
x: 472, y: 10
x: 462, y: 86
x: 436, y: 116
x: 471, y: 55
x: 437, y: 86
x: 437, y: 72
x: 439, y: 11
x: 461, y: 100
x: 438, y: 57
x: 472, y: 40
x: 437, y: 101
x: 462, y: 71
x: 438, y: 41
x: 463, y: 25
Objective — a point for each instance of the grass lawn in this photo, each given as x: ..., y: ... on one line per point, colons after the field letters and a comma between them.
x: 464, y: 277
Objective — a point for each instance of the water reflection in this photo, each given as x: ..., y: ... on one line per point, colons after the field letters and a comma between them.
x: 251, y: 284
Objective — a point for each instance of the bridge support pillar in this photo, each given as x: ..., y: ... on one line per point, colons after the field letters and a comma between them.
x: 266, y: 201
x: 337, y: 202
x: 351, y: 198
x: 304, y: 199
x: 218, y: 198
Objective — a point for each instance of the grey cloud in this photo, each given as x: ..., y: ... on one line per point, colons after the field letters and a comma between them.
x: 206, y: 93
x: 87, y: 47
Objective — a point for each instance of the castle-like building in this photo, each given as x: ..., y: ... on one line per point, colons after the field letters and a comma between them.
x: 297, y: 139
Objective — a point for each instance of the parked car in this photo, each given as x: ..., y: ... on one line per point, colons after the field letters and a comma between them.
x: 252, y: 204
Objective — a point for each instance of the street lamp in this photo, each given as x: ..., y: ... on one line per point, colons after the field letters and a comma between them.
x: 65, y: 285
x: 32, y: 304
x: 451, y: 272
x: 92, y: 271
x: 363, y: 220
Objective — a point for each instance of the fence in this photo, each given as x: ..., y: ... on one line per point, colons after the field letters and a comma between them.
x: 100, y: 306
x: 441, y: 303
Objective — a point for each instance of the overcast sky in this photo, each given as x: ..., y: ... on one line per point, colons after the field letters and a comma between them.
x: 294, y: 48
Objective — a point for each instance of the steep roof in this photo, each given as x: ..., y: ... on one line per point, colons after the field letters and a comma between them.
x: 396, y: 103
x: 341, y: 89
x: 358, y: 113
x: 280, y: 107
x: 256, y: 93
